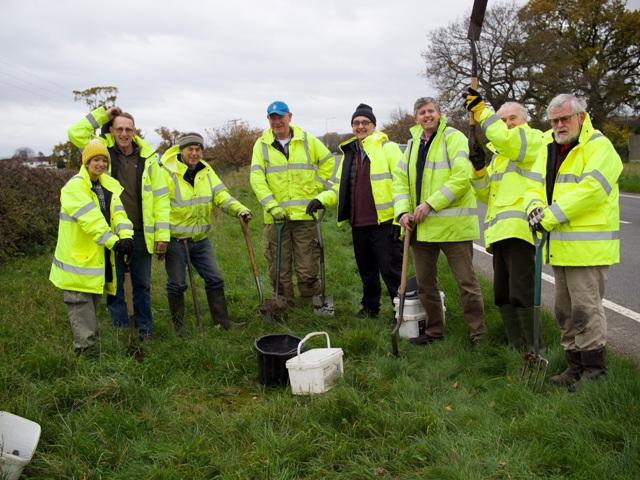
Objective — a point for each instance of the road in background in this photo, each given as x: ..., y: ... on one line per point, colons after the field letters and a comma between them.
x: 622, y: 304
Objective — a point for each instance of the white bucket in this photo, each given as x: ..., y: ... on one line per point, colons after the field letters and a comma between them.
x: 18, y: 441
x: 316, y: 370
x: 414, y: 317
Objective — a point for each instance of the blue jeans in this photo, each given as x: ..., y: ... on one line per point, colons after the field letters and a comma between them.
x: 203, y: 259
x: 141, y: 281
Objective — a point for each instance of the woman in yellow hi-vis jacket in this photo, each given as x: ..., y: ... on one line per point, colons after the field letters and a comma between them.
x: 93, y: 225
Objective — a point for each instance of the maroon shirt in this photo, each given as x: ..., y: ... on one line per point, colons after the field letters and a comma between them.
x: 363, y: 212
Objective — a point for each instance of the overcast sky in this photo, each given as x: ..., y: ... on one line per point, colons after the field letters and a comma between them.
x: 192, y: 65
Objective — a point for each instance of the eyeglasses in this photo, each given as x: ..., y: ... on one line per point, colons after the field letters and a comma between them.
x: 124, y: 130
x: 361, y: 123
x: 565, y: 119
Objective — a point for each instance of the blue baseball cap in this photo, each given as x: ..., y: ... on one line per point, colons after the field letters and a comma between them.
x: 278, y: 108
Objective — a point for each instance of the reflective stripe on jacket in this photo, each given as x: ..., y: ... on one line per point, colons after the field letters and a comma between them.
x: 503, y: 183
x: 383, y: 157
x: 154, y: 191
x: 83, y: 234
x: 192, y: 206
x: 584, y: 216
x: 445, y: 186
x: 308, y: 173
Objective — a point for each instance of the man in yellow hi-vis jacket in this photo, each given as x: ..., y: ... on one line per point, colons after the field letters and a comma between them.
x: 433, y: 201
x: 580, y: 209
x: 502, y: 186
x: 292, y: 175
x: 134, y: 163
x: 194, y: 189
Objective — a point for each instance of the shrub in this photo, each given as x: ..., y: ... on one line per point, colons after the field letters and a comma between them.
x: 29, y: 206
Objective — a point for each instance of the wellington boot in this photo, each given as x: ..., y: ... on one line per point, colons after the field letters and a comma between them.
x: 525, y: 319
x: 218, y: 307
x: 572, y: 374
x: 511, y: 326
x: 176, y: 307
x: 593, y: 363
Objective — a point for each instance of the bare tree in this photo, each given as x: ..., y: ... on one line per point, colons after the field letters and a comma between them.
x: 96, y: 96
x: 169, y: 137
x: 398, y: 127
x: 232, y: 144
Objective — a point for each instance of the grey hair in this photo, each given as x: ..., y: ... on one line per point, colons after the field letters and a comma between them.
x: 423, y: 101
x: 578, y: 105
x: 521, y: 109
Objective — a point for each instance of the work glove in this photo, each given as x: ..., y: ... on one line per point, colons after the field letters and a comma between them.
x: 278, y: 214
x: 535, y: 218
x: 245, y: 216
x: 474, y: 102
x: 124, y: 247
x: 477, y: 157
x: 314, y: 206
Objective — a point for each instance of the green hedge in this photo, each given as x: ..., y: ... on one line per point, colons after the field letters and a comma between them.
x: 29, y: 206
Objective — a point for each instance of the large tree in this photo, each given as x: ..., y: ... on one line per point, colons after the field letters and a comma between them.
x: 589, y: 47
x: 530, y: 54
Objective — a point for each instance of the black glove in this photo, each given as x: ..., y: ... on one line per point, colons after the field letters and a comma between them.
x: 124, y: 246
x: 473, y: 101
x: 535, y: 218
x: 477, y: 157
x: 314, y: 206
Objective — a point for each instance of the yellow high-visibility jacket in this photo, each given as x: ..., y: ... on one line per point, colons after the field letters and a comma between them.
x: 308, y: 173
x: 503, y: 183
x: 192, y: 206
x: 383, y: 157
x: 154, y: 191
x: 445, y: 186
x: 583, y: 219
x: 83, y: 233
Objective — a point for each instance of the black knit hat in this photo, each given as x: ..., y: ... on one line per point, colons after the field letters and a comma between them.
x: 364, y: 110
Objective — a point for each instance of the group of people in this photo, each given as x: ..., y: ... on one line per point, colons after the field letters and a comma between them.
x: 126, y: 205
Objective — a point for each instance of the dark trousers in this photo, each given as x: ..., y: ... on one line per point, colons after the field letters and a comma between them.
x: 378, y: 251
x: 513, y: 270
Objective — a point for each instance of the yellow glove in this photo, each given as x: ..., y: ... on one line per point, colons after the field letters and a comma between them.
x: 278, y: 214
x: 474, y: 102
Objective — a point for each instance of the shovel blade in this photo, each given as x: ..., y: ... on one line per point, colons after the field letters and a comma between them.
x: 477, y: 19
x: 323, y: 305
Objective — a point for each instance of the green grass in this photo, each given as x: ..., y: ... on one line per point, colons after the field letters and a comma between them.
x: 195, y: 410
x: 630, y: 178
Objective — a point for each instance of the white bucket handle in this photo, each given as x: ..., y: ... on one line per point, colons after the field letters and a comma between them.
x: 308, y: 336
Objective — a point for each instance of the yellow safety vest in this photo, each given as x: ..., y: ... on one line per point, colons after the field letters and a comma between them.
x: 583, y: 219
x: 192, y: 206
x: 383, y: 157
x: 83, y: 234
x: 308, y: 173
x: 503, y: 183
x: 445, y: 186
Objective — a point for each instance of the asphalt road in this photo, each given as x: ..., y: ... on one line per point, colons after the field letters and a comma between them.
x: 622, y: 298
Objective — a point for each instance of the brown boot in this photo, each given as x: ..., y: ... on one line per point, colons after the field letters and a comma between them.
x: 573, y: 372
x: 176, y: 307
x: 218, y: 307
x: 593, y: 363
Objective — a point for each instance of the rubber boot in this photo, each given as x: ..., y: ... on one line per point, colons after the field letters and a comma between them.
x: 218, y: 307
x: 511, y: 326
x: 176, y: 307
x: 593, y: 363
x: 572, y: 374
x: 525, y: 319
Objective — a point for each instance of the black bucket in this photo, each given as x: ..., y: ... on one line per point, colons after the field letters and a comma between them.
x: 273, y: 352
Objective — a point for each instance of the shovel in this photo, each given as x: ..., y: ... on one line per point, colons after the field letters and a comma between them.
x: 276, y: 307
x: 535, y: 365
x: 322, y: 304
x: 262, y: 308
x: 192, y: 287
x: 475, y: 27
x: 401, y: 294
x: 134, y: 347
